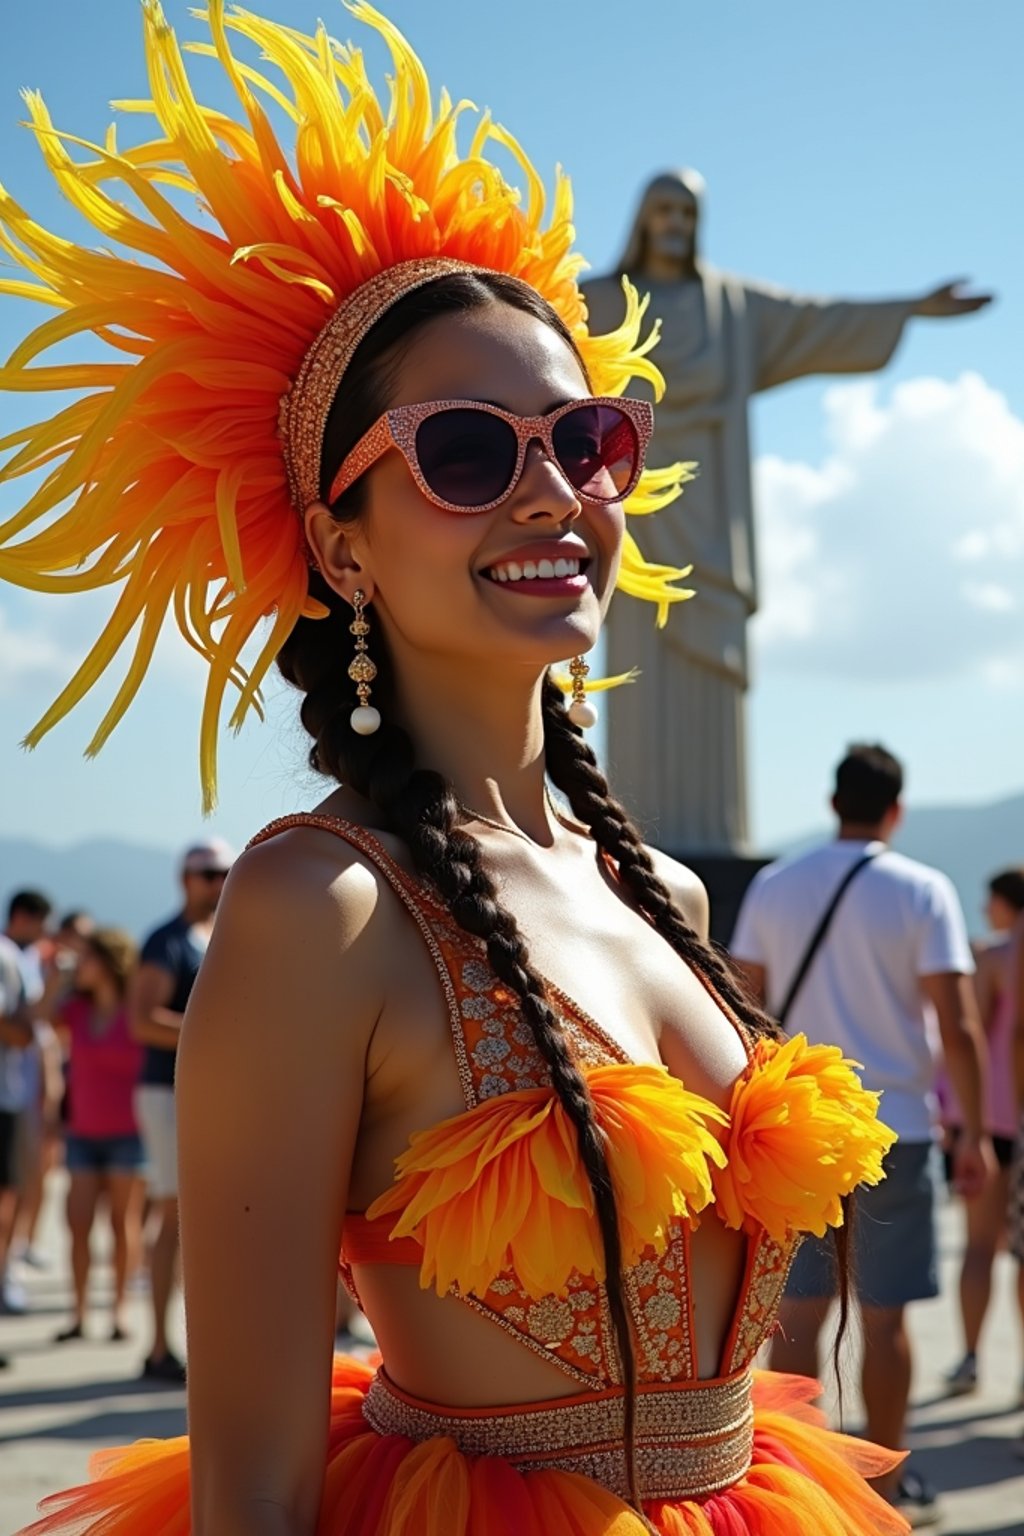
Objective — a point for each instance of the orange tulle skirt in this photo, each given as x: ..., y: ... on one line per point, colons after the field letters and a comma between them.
x: 804, y: 1480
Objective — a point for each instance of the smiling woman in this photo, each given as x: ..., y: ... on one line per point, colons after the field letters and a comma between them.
x: 454, y: 1056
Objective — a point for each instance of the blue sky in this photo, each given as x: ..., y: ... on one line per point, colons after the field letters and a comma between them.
x: 868, y: 150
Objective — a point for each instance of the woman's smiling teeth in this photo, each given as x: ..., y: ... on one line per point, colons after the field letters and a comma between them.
x: 532, y: 570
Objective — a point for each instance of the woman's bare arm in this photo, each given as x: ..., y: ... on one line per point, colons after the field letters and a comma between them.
x: 989, y: 978
x: 269, y: 1089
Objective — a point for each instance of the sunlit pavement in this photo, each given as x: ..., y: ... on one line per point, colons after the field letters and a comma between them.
x: 59, y: 1403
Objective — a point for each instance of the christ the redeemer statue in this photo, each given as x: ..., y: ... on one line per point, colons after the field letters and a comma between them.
x: 677, y: 748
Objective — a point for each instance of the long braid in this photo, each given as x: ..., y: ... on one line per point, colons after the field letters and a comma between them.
x: 420, y: 806
x: 572, y: 768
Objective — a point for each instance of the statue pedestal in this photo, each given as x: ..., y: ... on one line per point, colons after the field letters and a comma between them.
x: 726, y: 876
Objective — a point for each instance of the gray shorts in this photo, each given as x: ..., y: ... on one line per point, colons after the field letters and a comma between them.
x: 894, y: 1257
x: 155, y: 1117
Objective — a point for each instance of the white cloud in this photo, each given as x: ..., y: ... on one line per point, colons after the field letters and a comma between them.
x: 30, y: 658
x: 989, y: 595
x: 900, y: 555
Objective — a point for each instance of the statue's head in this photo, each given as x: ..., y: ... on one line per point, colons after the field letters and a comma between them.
x: 663, y: 241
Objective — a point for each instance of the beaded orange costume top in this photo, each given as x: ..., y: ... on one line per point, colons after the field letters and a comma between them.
x: 494, y: 1208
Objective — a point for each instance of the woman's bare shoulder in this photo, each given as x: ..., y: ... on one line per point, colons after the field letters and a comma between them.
x: 992, y: 956
x: 305, y: 864
x: 687, y: 890
x: 303, y: 951
x: 312, y: 902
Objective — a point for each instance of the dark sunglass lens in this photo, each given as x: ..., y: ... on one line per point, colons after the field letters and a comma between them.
x: 598, y: 450
x: 467, y: 457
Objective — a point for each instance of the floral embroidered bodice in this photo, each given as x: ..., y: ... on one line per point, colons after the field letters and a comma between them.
x: 494, y: 1207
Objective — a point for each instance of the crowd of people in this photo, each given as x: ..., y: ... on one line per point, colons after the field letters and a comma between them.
x: 89, y: 1026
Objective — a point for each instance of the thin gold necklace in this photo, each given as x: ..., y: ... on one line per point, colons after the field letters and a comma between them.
x: 504, y: 826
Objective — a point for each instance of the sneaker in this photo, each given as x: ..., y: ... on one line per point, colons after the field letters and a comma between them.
x: 963, y: 1378
x: 35, y: 1260
x: 917, y: 1501
x: 168, y: 1369
x: 13, y: 1298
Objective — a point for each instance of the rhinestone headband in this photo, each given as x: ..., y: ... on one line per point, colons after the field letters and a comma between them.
x: 201, y: 521
x: 306, y: 404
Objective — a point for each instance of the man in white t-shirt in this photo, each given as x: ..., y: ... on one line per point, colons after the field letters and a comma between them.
x: 890, y: 985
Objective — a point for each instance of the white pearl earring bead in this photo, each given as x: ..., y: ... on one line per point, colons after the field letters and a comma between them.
x: 365, y: 720
x: 583, y: 714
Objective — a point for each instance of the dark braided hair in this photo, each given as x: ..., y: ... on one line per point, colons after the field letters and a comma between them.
x: 417, y: 803
x: 573, y: 769
x: 420, y: 806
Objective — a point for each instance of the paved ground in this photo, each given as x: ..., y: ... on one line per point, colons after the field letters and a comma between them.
x: 59, y: 1403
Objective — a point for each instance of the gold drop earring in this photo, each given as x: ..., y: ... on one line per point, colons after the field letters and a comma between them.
x: 581, y: 711
x: 364, y: 719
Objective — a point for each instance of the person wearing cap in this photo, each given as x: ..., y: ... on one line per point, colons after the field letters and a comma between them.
x: 27, y: 915
x: 169, y: 964
x: 15, y: 1036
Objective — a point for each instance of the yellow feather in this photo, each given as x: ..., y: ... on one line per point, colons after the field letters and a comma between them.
x: 166, y: 476
x: 152, y: 622
x: 229, y: 483
x: 595, y: 684
x: 20, y: 290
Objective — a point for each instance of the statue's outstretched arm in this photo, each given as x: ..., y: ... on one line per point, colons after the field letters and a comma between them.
x: 792, y: 336
x: 946, y: 302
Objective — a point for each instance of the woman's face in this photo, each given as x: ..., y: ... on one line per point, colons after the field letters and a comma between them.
x: 1002, y: 914
x: 429, y: 573
x: 91, y: 971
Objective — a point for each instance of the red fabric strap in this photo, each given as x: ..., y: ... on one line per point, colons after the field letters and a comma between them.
x: 367, y: 1242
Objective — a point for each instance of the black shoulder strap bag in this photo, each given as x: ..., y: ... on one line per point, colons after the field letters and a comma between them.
x: 821, y: 930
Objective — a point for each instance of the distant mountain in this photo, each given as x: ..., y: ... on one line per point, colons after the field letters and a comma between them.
x: 136, y: 886
x: 968, y: 842
x: 121, y: 883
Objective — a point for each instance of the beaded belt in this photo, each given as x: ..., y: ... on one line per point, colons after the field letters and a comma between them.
x: 691, y: 1439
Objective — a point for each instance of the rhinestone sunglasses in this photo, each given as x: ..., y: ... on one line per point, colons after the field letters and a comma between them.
x: 468, y: 456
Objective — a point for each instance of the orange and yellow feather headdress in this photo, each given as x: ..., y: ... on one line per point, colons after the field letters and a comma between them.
x: 166, y: 476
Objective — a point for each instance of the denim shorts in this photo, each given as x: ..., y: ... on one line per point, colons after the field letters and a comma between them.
x: 894, y: 1254
x: 9, y: 1139
x: 104, y: 1154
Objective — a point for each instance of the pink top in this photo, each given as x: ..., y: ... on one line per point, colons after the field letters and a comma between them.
x: 1001, y: 1112
x: 102, y: 1073
x: 1002, y: 1102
